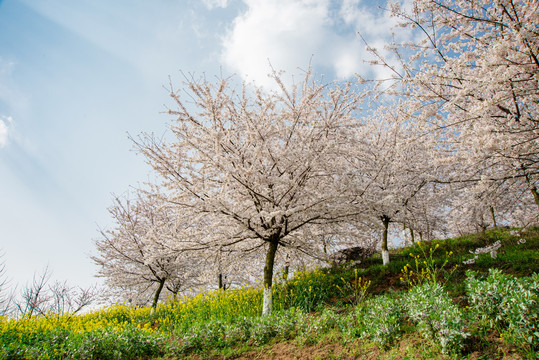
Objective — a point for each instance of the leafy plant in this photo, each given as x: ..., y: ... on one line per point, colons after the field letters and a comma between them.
x: 313, y: 327
x: 380, y: 319
x: 507, y: 304
x: 437, y: 318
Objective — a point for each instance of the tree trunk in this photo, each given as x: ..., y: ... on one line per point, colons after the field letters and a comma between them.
x: 157, y: 293
x: 533, y: 188
x: 535, y: 194
x: 267, y: 304
x: 220, y: 281
x: 493, y: 217
x: 385, y: 251
x: 285, y: 272
x: 404, y: 232
x: 404, y: 227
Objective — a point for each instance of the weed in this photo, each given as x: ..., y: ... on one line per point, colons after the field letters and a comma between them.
x: 427, y: 267
x: 357, y: 288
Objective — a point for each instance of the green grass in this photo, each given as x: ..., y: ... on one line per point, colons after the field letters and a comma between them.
x: 324, y: 311
x: 514, y: 258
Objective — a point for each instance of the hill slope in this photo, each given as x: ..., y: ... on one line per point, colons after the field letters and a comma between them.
x: 435, y: 300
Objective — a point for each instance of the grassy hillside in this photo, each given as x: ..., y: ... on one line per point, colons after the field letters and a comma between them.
x: 516, y: 257
x: 426, y: 304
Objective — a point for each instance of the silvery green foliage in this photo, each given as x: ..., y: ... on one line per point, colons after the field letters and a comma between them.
x: 380, y: 319
x: 264, y: 328
x: 287, y: 322
x: 203, y: 336
x: 436, y: 316
x: 240, y: 331
x: 489, y: 297
x: 258, y: 331
x: 322, y: 324
x: 508, y: 304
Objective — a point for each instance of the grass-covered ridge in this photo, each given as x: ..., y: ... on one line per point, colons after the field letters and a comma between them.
x: 488, y: 309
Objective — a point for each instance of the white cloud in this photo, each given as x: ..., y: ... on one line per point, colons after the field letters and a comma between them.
x: 347, y: 63
x: 349, y: 9
x: 4, y: 130
x: 210, y: 4
x: 289, y: 33
x: 283, y: 32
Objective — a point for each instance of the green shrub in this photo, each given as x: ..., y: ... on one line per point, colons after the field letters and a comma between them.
x: 507, y: 304
x: 279, y: 324
x: 437, y: 318
x: 313, y: 327
x: 218, y: 334
x: 205, y: 335
x: 106, y: 343
x: 240, y: 331
x: 380, y: 319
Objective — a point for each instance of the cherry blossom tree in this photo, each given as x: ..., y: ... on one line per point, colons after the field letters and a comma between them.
x: 261, y: 166
x: 478, y: 206
x: 426, y: 214
x: 473, y: 77
x: 393, y: 167
x: 135, y: 257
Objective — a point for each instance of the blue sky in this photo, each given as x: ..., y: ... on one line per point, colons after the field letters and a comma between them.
x: 77, y: 76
